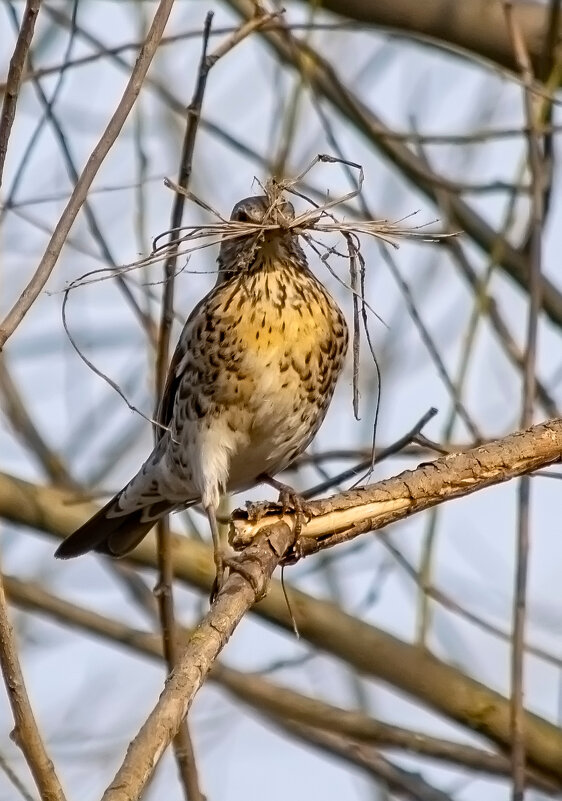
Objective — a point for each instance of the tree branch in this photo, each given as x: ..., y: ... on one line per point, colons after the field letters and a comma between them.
x: 345, y: 516
x: 476, y: 26
x: 26, y: 733
x: 205, y: 644
x: 368, y: 649
x: 80, y: 191
x: 15, y: 75
x: 275, y: 702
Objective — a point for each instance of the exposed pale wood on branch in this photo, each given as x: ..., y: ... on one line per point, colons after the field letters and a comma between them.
x: 351, y: 513
x: 369, y: 650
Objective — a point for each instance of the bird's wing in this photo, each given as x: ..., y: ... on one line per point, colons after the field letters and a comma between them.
x: 174, y: 376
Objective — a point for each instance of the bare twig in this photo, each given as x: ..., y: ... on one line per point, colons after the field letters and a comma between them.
x: 14, y: 779
x: 25, y: 734
x: 15, y: 72
x: 380, y: 455
x: 449, y: 603
x: 80, y: 192
x: 529, y: 384
x: 183, y: 744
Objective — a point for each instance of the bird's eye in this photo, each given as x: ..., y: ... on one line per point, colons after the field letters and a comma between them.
x: 242, y: 216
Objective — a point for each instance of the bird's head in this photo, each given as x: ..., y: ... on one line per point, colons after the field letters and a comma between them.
x: 257, y: 246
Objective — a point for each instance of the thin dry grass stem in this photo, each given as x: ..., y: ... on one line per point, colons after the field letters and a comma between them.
x: 318, y: 219
x: 113, y: 384
x: 26, y: 734
x: 352, y: 251
x: 536, y: 168
x: 80, y: 192
x: 355, y: 257
x: 15, y: 77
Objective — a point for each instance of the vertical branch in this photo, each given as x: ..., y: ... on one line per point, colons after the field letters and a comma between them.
x: 182, y: 742
x: 25, y: 734
x: 183, y: 745
x: 15, y: 72
x: 529, y: 388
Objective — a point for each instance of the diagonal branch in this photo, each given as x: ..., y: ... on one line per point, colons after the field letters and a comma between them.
x: 80, y: 191
x: 15, y: 74
x: 274, y: 702
x: 368, y: 649
x: 345, y: 516
x: 26, y: 733
x: 205, y: 644
x: 405, y: 784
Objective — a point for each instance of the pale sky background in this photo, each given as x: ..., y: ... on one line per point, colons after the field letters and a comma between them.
x: 91, y: 698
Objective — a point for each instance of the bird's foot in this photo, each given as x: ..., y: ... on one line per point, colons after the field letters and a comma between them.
x: 292, y: 501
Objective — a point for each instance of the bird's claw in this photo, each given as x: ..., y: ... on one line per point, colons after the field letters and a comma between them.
x: 292, y: 501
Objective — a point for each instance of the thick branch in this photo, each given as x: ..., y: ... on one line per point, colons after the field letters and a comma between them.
x: 368, y: 649
x: 348, y: 514
x: 205, y: 644
x: 275, y: 702
x: 477, y: 26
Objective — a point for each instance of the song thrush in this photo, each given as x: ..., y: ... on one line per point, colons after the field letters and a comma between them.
x: 248, y: 386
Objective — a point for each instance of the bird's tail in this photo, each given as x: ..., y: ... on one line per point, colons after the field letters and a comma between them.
x: 112, y: 531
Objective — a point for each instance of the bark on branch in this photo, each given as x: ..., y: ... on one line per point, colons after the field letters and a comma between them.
x: 477, y: 26
x: 26, y: 733
x: 204, y: 646
x: 368, y: 649
x: 345, y: 516
x: 272, y: 701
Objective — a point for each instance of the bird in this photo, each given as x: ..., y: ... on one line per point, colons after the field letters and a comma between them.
x: 248, y: 385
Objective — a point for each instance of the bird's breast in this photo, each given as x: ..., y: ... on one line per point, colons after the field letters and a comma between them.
x: 293, y: 339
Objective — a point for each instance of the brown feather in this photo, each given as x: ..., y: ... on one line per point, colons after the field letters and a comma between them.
x: 113, y: 536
